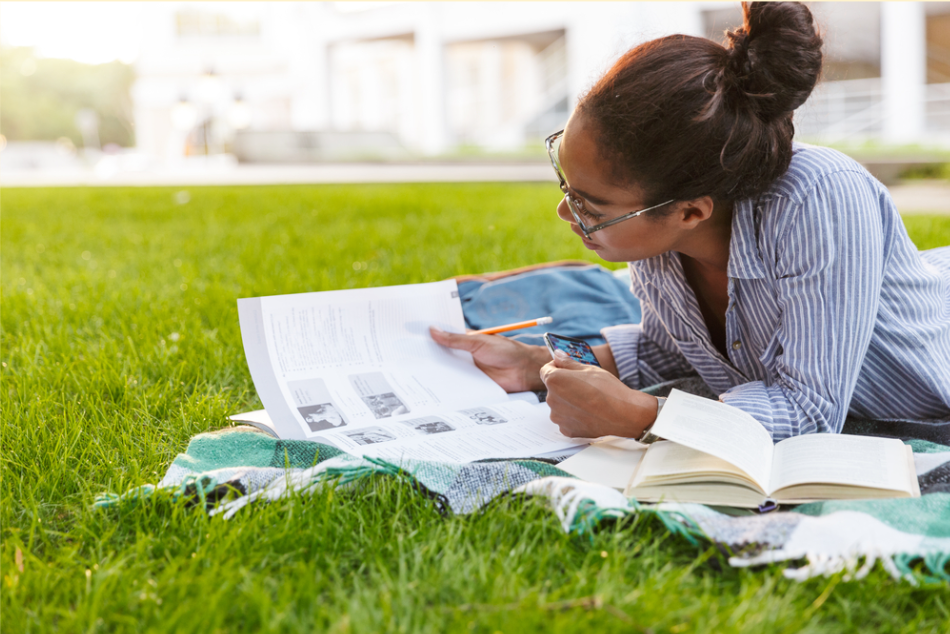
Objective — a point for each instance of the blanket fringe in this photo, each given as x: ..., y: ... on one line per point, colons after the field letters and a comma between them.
x: 201, y: 485
x: 306, y: 481
x: 581, y: 505
x: 109, y: 500
x: 855, y: 567
x: 192, y: 485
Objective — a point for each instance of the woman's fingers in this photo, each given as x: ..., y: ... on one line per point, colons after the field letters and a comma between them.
x: 563, y: 368
x: 585, y: 401
x: 458, y: 341
x: 511, y: 364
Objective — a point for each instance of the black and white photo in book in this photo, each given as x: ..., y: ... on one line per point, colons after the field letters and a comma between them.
x: 377, y: 394
x: 484, y: 416
x: 323, y: 416
x: 315, y: 404
x: 429, y: 425
x: 370, y: 435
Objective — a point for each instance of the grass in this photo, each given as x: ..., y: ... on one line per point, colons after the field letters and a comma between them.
x: 120, y: 341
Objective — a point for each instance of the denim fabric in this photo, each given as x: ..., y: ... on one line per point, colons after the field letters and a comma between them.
x: 582, y: 301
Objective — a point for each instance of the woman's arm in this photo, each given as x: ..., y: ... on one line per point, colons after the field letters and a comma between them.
x: 828, y: 277
x: 644, y: 354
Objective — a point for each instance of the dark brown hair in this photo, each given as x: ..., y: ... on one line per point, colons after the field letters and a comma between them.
x: 685, y: 117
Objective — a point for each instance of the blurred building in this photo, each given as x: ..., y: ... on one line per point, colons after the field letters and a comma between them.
x: 323, y: 81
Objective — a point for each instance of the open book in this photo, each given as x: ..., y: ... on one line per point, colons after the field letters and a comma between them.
x: 713, y: 453
x: 357, y: 369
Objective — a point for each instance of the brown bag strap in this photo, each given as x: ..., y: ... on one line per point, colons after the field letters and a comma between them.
x: 491, y: 277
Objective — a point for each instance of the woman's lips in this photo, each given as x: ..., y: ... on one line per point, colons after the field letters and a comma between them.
x: 593, y: 246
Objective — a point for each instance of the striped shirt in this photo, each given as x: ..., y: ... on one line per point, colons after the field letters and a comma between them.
x: 832, y: 309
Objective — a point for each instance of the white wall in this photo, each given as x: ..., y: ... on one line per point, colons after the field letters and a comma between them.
x: 397, y: 67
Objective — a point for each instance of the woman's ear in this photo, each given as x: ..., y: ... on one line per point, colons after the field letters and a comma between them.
x: 693, y: 212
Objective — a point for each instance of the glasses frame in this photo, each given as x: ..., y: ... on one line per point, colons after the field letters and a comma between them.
x: 575, y: 204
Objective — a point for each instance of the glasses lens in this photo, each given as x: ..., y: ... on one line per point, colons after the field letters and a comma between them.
x: 575, y: 211
x: 555, y: 154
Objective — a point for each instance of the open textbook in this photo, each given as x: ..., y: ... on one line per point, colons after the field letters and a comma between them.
x: 357, y: 369
x: 713, y: 453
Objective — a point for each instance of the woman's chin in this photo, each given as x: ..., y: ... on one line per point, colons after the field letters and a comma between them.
x: 606, y: 254
x: 609, y: 255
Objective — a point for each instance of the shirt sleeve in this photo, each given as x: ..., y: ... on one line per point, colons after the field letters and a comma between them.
x: 829, y: 272
x: 645, y: 353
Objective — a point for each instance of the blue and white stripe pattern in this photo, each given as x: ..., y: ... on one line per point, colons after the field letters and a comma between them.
x: 832, y: 309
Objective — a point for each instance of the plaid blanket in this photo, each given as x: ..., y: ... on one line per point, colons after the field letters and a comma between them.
x: 229, y: 469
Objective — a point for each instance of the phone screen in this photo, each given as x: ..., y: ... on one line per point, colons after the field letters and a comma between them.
x: 577, y: 349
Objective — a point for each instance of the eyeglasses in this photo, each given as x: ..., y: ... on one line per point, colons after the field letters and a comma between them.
x: 575, y: 204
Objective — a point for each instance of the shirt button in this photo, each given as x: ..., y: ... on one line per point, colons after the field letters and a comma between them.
x: 736, y: 344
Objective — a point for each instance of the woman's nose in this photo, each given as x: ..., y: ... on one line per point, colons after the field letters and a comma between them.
x: 563, y: 211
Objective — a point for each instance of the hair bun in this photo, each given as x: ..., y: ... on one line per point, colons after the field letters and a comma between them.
x: 774, y: 58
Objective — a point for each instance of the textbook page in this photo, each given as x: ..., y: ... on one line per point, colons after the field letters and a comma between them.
x: 361, y: 357
x: 504, y: 430
x: 720, y: 430
x: 862, y: 461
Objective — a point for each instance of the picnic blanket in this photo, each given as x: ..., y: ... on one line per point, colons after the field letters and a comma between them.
x: 225, y: 471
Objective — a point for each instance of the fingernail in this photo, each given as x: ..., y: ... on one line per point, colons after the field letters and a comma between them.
x: 560, y: 354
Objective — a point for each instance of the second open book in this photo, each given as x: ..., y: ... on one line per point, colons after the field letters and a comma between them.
x: 713, y: 453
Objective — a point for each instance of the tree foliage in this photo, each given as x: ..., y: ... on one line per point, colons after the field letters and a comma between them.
x: 40, y: 98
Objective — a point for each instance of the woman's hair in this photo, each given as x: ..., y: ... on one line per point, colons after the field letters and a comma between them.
x: 684, y: 117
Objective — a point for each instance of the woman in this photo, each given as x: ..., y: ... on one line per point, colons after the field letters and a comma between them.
x: 781, y: 274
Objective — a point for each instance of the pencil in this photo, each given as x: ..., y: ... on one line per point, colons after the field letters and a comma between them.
x: 518, y: 326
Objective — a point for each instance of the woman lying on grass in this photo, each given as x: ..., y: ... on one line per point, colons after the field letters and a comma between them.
x: 779, y: 273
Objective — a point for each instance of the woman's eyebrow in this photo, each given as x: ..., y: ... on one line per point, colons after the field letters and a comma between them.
x: 593, y: 199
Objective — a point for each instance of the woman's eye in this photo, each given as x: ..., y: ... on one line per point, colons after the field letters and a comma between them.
x: 590, y: 214
x: 583, y: 210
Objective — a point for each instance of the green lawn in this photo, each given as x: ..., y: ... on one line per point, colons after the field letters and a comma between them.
x: 120, y: 341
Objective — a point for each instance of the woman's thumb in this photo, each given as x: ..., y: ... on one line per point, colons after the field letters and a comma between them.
x: 563, y: 360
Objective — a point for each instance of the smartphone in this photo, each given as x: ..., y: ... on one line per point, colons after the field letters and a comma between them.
x: 577, y: 349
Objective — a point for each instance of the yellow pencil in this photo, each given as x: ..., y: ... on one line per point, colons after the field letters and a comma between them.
x: 521, y: 324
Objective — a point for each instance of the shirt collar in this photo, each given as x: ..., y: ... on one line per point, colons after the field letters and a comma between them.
x: 745, y: 260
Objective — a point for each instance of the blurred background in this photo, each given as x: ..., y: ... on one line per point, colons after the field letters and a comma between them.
x: 152, y: 92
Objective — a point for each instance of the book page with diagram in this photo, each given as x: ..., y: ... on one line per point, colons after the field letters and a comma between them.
x: 504, y: 430
x: 355, y: 368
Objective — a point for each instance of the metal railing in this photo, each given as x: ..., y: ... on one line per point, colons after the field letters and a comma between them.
x: 552, y: 110
x: 853, y: 110
x: 552, y: 61
x: 842, y: 110
x: 937, y: 112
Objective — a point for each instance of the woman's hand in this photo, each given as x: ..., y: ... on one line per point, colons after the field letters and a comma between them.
x: 513, y: 365
x: 589, y: 402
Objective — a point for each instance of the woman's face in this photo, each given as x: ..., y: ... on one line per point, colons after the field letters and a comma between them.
x: 590, y: 178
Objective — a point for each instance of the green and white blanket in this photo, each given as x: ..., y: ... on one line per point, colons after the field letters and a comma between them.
x: 231, y: 468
